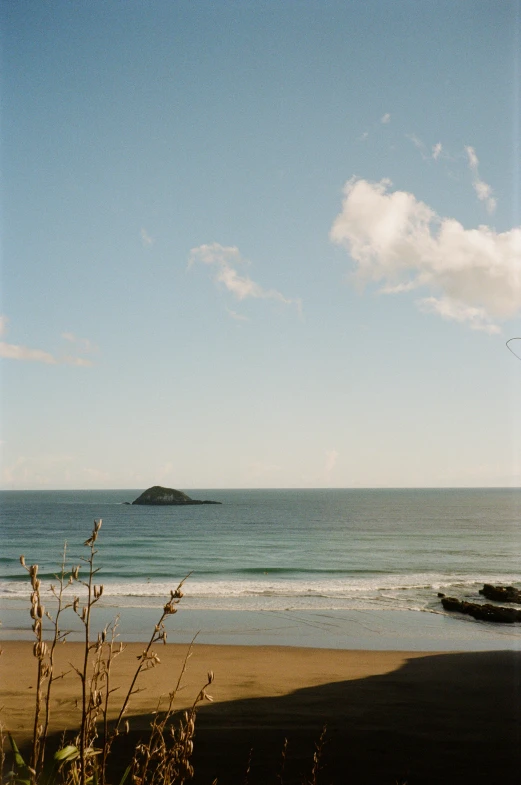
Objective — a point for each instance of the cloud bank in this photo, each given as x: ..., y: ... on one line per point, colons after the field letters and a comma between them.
x: 224, y: 260
x: 471, y: 275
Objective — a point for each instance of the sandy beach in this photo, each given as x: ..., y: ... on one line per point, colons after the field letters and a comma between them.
x: 391, y: 716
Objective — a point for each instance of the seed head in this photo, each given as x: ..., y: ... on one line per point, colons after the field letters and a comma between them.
x: 33, y: 572
x: 40, y: 650
x: 22, y: 561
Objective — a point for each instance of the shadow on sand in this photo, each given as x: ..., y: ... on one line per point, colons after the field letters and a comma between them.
x: 442, y: 718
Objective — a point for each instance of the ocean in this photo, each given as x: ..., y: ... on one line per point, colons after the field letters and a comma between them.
x: 265, y: 563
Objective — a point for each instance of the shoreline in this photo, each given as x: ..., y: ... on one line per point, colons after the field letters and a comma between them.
x: 379, y: 630
x: 392, y: 716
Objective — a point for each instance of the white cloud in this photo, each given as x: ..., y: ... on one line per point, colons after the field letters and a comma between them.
x: 363, y: 136
x: 146, y: 240
x: 471, y: 275
x: 458, y: 312
x: 472, y: 158
x: 437, y: 150
x: 386, y: 118
x: 434, y: 153
x: 224, y: 260
x: 482, y: 189
x: 82, y: 344
x: 12, y: 351
x: 419, y: 145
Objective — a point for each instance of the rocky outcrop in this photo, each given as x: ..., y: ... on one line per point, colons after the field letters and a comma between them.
x: 501, y: 593
x: 159, y: 496
x: 485, y: 612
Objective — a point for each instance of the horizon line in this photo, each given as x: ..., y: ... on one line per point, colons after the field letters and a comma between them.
x: 289, y: 488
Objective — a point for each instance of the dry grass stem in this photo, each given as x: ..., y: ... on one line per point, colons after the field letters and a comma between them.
x: 164, y: 757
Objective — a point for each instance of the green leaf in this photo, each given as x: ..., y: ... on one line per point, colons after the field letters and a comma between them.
x: 70, y: 752
x: 17, y: 755
x: 125, y: 775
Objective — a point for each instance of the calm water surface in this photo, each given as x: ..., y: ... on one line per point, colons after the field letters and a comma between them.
x: 273, y: 549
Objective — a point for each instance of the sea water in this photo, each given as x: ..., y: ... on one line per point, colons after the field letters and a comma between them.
x: 286, y: 559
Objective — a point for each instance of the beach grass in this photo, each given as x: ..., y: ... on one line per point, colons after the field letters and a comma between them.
x: 83, y: 757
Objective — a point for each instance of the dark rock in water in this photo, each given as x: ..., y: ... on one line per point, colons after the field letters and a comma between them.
x: 441, y: 594
x: 159, y: 496
x: 125, y: 502
x: 501, y: 593
x: 484, y: 612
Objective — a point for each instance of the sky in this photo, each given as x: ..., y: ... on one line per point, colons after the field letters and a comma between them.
x: 260, y: 244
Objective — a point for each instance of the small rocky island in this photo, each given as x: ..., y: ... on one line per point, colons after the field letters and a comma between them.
x: 159, y: 496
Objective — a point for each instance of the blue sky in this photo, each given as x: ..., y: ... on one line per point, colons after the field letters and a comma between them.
x: 270, y: 244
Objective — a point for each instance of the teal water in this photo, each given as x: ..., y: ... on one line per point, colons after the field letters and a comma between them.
x: 282, y: 551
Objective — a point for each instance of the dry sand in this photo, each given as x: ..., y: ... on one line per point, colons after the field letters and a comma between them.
x: 391, y: 716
